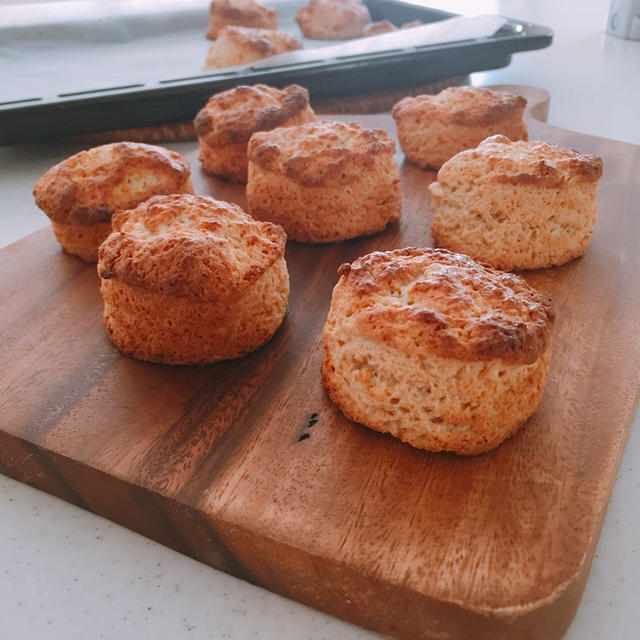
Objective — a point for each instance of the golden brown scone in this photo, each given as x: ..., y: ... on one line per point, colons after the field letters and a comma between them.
x: 240, y: 45
x: 516, y: 205
x: 324, y: 181
x: 191, y: 280
x: 376, y: 28
x: 81, y: 193
x: 432, y: 129
x: 333, y: 19
x: 225, y: 124
x: 436, y: 349
x: 242, y: 13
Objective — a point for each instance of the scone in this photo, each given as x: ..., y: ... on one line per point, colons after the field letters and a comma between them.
x: 242, y: 13
x: 240, y: 45
x: 432, y: 129
x: 516, y: 205
x: 191, y: 280
x: 324, y: 181
x: 81, y: 193
x: 384, y: 26
x: 228, y: 120
x: 436, y: 349
x: 376, y: 28
x: 333, y: 19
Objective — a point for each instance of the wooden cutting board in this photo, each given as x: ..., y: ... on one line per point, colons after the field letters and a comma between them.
x: 247, y: 466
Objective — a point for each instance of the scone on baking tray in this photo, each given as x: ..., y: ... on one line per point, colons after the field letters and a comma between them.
x: 225, y: 124
x: 191, y: 280
x: 240, y: 45
x: 384, y: 26
x: 324, y: 181
x: 333, y: 19
x: 242, y: 13
x: 432, y: 129
x: 436, y: 349
x: 376, y: 28
x: 516, y: 205
x: 81, y: 193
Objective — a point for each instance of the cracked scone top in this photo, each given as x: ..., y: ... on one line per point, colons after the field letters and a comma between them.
x: 317, y: 153
x: 333, y: 19
x: 225, y: 124
x: 436, y: 349
x: 433, y: 128
x: 190, y: 279
x: 244, y: 13
x: 324, y: 181
x: 516, y: 205
x: 81, y: 193
x: 500, y: 160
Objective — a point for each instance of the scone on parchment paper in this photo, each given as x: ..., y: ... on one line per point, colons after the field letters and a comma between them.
x: 225, y: 124
x: 81, y: 193
x: 242, y: 13
x: 324, y: 181
x: 192, y: 280
x: 436, y: 349
x: 376, y: 28
x: 384, y: 26
x: 432, y: 129
x: 333, y: 19
x: 516, y: 205
x: 240, y: 45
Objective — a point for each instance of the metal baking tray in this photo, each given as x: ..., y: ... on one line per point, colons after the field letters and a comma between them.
x: 139, y: 69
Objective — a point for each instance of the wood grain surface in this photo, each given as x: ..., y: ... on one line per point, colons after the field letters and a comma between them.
x: 247, y: 466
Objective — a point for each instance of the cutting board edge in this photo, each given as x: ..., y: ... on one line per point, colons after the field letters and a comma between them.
x: 221, y: 547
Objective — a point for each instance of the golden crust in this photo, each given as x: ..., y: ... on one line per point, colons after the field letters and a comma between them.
x: 81, y: 239
x: 160, y: 328
x: 333, y: 19
x: 190, y: 246
x: 245, y: 13
x: 466, y: 106
x: 499, y: 160
x: 241, y: 45
x: 376, y: 28
x: 233, y: 116
x: 89, y: 186
x: 445, y: 303
x: 319, y: 153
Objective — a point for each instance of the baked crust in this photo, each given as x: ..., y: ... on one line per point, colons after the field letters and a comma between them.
x: 319, y: 153
x: 516, y: 205
x: 433, y: 129
x: 466, y: 106
x: 89, y: 186
x: 445, y: 303
x: 159, y: 328
x: 333, y: 19
x: 241, y: 45
x: 500, y: 160
x: 376, y: 28
x: 245, y: 13
x: 233, y: 116
x: 438, y: 350
x: 81, y: 239
x: 190, y: 246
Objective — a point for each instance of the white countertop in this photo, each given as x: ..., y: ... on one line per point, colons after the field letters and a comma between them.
x: 66, y: 573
